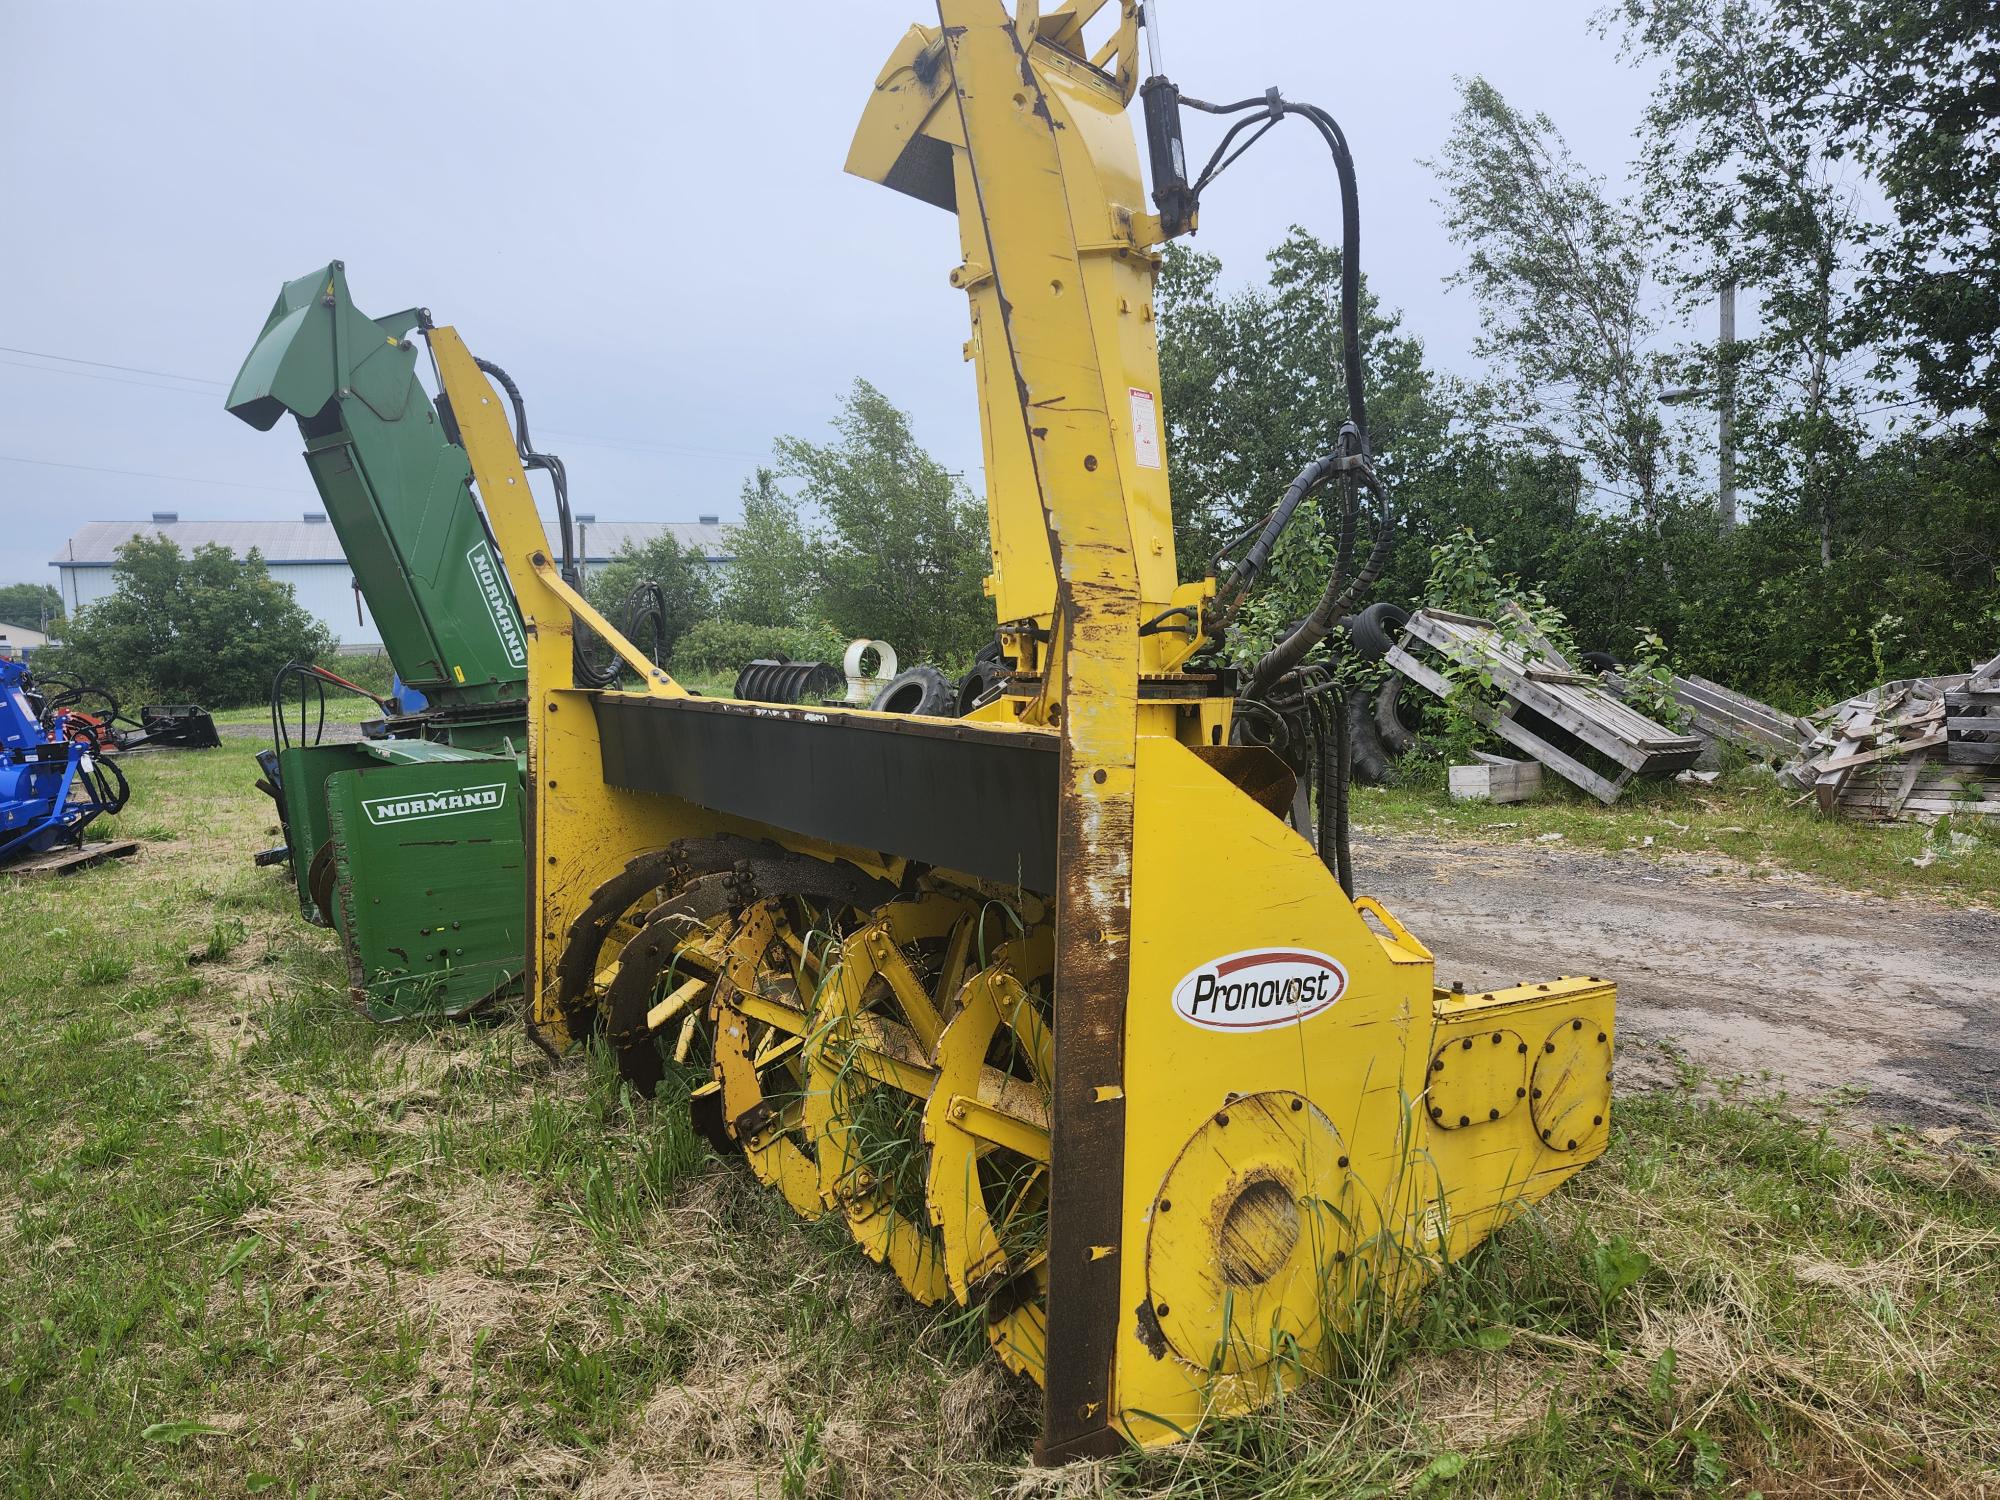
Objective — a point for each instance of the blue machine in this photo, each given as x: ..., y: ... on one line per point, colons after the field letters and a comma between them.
x: 52, y: 783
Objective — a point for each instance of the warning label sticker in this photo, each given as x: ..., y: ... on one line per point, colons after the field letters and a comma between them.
x: 1145, y: 428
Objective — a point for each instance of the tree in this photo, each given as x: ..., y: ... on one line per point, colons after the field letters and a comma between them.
x: 203, y: 628
x: 899, y: 546
x: 770, y: 579
x: 1253, y: 391
x: 1744, y: 186
x: 682, y: 574
x: 29, y: 605
x: 1560, y: 272
x: 1913, y: 88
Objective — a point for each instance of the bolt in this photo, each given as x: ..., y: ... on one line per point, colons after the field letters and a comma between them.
x: 1467, y: 1044
x: 1522, y: 1048
x: 1538, y: 1093
x: 1577, y: 1024
x: 1223, y: 1118
x: 1161, y: 1310
x: 1597, y: 1119
x: 1436, y: 1113
x: 1297, y: 1105
x: 1520, y: 1093
x: 1600, y: 1036
x: 1496, y: 1038
x: 1090, y: 463
x: 1572, y: 1145
x: 1437, y: 1065
x: 1165, y: 1204
x: 1548, y: 1046
x: 1464, y: 1120
x: 1342, y: 1162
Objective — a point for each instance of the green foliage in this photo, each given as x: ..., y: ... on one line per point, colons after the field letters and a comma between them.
x: 1649, y: 682
x: 1561, y: 272
x: 202, y: 628
x: 1910, y: 89
x: 1739, y: 155
x: 874, y: 538
x: 1616, y: 1267
x: 686, y: 593
x: 1252, y: 388
x: 900, y: 545
x: 1464, y: 581
x: 719, y: 648
x: 771, y: 580
x: 29, y: 605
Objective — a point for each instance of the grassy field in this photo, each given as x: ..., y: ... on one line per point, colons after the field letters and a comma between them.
x: 256, y: 1245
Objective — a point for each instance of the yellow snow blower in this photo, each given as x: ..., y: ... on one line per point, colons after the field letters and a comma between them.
x: 1063, y: 1005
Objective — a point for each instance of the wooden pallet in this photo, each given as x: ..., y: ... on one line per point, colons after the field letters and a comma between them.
x: 1723, y: 714
x: 1533, y: 676
x: 69, y: 861
x: 1919, y: 749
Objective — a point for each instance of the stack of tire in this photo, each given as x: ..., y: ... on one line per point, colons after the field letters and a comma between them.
x: 927, y: 691
x: 1377, y: 736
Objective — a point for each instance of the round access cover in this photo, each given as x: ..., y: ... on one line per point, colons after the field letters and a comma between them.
x: 1570, y: 1093
x: 1248, y: 1226
x: 1476, y: 1078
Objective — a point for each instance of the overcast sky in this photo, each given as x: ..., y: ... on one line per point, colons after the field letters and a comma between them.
x: 638, y: 210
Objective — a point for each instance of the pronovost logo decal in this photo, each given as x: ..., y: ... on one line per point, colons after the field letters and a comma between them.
x: 419, y: 806
x: 1258, y: 988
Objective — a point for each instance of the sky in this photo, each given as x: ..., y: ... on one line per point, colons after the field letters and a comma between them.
x: 639, y: 210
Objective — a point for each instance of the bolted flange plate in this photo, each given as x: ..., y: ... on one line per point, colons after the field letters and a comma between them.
x: 1477, y: 1078
x: 1570, y: 1090
x: 1248, y: 1227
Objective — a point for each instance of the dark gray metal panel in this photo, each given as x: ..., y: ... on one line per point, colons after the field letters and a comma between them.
x: 956, y: 795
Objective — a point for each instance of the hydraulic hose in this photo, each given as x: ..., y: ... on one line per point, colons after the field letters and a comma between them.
x: 592, y: 669
x: 1321, y: 704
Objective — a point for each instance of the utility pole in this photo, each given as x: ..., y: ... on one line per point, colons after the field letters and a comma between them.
x: 1724, y: 392
x: 1725, y: 505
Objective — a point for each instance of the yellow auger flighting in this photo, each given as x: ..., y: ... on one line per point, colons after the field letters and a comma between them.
x: 1063, y: 1006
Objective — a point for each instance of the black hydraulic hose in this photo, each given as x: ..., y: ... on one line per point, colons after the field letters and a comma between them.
x: 1253, y: 562
x: 645, y: 616
x: 591, y: 669
x: 102, y: 773
x: 1340, y: 592
x: 1323, y: 706
x: 524, y: 444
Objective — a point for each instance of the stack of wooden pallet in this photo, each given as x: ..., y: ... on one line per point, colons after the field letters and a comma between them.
x: 1916, y: 750
x: 1567, y: 719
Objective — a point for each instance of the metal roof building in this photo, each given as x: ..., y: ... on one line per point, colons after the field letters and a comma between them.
x: 307, y: 555
x: 18, y: 640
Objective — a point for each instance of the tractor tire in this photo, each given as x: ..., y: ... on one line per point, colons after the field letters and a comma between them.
x: 921, y: 690
x: 1377, y: 628
x: 975, y: 684
x: 1368, y: 758
x: 1396, y: 736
